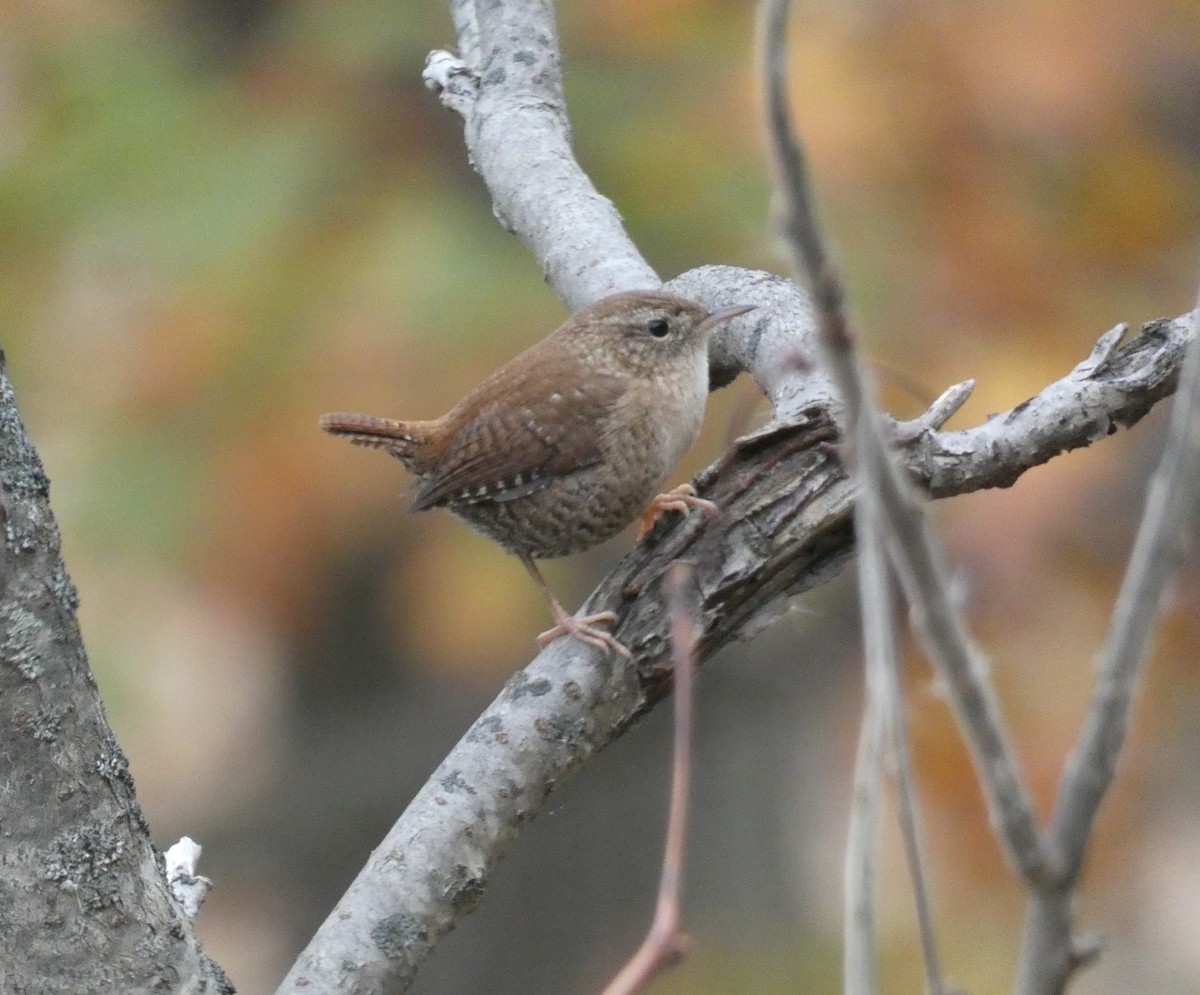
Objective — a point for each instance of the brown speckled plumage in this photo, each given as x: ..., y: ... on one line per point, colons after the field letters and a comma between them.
x: 565, y: 444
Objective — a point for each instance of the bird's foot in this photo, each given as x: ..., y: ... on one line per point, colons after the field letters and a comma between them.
x: 586, y: 631
x: 679, y: 499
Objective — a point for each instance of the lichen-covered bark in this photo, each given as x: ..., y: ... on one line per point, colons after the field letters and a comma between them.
x: 83, y: 903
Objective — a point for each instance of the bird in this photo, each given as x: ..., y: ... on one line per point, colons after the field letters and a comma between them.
x: 565, y: 444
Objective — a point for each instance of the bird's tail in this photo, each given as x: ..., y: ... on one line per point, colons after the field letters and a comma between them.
x: 403, y: 439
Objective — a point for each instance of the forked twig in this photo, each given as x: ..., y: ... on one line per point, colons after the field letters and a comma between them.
x: 1156, y: 554
x: 1050, y: 954
x: 665, y: 943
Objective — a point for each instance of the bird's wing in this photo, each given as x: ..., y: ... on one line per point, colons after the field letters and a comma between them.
x: 521, y: 432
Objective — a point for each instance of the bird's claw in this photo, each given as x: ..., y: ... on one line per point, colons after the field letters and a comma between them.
x: 678, y: 499
x: 584, y: 629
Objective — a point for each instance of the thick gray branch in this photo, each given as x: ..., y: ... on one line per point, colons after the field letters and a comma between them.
x: 786, y: 526
x: 786, y: 523
x: 506, y: 83
x: 84, y: 905
x: 1111, y: 389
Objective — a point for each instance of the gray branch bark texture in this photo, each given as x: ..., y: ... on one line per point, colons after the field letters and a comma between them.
x: 785, y: 527
x: 84, y: 906
x: 786, y: 523
x: 507, y: 81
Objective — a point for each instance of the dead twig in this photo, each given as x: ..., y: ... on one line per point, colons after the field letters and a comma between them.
x: 665, y: 943
x: 887, y: 514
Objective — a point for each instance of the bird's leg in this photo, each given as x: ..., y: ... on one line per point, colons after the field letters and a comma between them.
x: 677, y: 499
x: 584, y: 629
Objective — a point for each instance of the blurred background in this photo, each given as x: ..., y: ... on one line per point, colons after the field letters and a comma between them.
x: 223, y: 217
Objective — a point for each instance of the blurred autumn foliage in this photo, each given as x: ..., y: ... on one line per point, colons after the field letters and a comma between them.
x: 219, y: 219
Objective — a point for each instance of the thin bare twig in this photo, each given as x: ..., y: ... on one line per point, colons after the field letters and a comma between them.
x: 799, y: 215
x: 912, y: 834
x: 878, y: 597
x: 917, y: 560
x: 963, y: 670
x: 804, y: 239
x: 1050, y: 954
x: 862, y: 854
x: 873, y: 467
x: 862, y: 837
x: 665, y: 943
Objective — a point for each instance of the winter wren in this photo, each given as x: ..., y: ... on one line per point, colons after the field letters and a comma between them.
x: 565, y: 444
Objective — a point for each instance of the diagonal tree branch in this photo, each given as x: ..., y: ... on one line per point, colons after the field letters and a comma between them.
x: 874, y: 528
x: 786, y: 525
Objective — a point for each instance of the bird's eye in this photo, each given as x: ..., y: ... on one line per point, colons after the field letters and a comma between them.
x: 658, y: 327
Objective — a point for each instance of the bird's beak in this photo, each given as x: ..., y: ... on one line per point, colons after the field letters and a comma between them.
x: 723, y: 314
